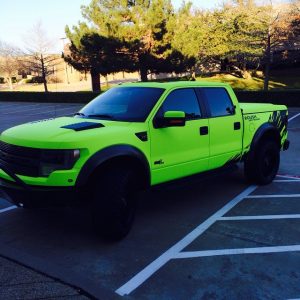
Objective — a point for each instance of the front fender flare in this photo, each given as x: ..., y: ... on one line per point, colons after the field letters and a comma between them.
x: 104, y: 155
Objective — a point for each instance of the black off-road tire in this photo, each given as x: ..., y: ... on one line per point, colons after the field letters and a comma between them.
x: 263, y: 165
x: 114, y: 203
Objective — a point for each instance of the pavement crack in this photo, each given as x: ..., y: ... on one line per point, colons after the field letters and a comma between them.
x: 244, y: 239
x: 26, y: 283
x: 59, y: 297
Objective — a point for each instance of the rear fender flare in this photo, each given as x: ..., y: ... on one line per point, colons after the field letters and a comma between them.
x: 264, y: 130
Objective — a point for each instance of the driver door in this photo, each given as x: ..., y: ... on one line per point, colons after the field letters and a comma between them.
x: 179, y: 151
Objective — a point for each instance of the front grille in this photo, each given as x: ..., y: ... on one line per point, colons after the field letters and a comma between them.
x: 20, y: 160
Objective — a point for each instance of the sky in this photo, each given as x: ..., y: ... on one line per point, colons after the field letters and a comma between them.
x: 19, y: 16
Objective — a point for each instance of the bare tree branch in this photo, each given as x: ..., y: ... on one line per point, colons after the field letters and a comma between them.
x: 38, y: 57
x: 9, y: 62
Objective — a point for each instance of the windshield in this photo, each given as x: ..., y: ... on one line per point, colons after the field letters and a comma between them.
x: 131, y: 104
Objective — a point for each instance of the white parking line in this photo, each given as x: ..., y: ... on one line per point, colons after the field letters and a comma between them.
x: 148, y: 271
x: 294, y: 117
x: 262, y: 217
x: 256, y: 250
x: 7, y: 209
x: 289, y: 177
x: 287, y: 180
x: 273, y: 196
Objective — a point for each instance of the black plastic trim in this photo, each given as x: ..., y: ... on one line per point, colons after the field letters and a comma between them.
x: 259, y: 133
x: 83, y: 126
x: 104, y: 155
x: 286, y: 145
x: 38, y: 196
x: 203, y: 130
x: 17, y: 180
x: 237, y: 125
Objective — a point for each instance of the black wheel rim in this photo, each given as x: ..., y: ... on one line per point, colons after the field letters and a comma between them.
x: 127, y: 209
x: 269, y: 163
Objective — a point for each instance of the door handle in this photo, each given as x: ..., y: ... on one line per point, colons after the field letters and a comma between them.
x: 204, y: 130
x: 237, y: 125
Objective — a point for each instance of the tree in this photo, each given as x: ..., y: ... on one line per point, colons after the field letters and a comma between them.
x: 96, y: 54
x: 9, y: 62
x: 257, y: 32
x: 142, y: 26
x: 38, y: 58
x: 199, y: 35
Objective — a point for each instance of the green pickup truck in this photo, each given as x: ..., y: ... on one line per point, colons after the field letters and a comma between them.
x: 135, y: 136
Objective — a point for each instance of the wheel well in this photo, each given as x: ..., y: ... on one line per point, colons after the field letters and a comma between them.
x: 125, y: 161
x: 272, y: 135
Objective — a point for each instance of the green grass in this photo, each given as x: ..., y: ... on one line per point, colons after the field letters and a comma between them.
x: 279, y: 80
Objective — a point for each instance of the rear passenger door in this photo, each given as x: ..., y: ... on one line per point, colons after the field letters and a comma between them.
x: 225, y: 128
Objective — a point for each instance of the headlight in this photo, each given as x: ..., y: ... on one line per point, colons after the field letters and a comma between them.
x: 53, y: 160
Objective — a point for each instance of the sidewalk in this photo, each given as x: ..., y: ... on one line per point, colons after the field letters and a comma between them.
x: 19, y: 282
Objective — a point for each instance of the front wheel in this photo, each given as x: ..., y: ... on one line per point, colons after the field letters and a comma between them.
x: 264, y: 163
x: 114, y: 203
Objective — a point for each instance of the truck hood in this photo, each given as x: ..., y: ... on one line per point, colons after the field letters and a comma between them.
x: 53, y: 134
x: 251, y: 108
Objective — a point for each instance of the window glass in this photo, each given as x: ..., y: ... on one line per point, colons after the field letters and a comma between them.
x: 182, y: 100
x: 132, y: 104
x: 219, y: 101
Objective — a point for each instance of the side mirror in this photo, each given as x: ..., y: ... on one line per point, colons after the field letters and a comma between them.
x: 231, y: 110
x: 171, y: 119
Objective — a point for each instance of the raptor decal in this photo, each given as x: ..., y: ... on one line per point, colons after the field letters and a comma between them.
x: 279, y: 120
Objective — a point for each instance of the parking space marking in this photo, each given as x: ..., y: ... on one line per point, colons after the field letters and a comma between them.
x: 7, y: 209
x: 286, y: 180
x: 255, y: 250
x: 294, y: 117
x: 273, y: 196
x: 295, y: 177
x: 262, y: 217
x: 172, y: 252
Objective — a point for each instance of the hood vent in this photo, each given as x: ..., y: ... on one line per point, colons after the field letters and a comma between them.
x: 83, y: 126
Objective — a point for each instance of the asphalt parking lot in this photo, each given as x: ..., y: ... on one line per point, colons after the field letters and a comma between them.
x: 214, y: 239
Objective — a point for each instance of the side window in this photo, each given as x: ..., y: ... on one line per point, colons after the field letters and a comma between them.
x: 218, y: 101
x: 182, y: 100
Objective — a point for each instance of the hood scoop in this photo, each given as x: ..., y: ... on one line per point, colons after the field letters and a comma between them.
x: 83, y: 126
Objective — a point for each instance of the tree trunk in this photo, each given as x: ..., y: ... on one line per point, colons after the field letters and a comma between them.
x: 267, y: 76
x: 268, y: 63
x: 96, y: 87
x: 143, y: 72
x: 10, y: 84
x: 44, y: 74
x: 224, y: 65
x: 193, y: 73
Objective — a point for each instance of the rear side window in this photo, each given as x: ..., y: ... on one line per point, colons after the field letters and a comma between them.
x: 182, y: 100
x: 218, y: 101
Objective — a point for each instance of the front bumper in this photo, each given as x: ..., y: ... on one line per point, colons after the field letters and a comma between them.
x: 21, y: 194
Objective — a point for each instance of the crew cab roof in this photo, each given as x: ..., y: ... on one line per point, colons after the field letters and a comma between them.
x: 175, y: 84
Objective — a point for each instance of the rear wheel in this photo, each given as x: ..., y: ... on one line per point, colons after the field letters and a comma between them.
x: 263, y: 165
x: 114, y: 203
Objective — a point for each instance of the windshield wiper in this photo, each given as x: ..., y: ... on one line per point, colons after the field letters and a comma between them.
x: 105, y: 116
